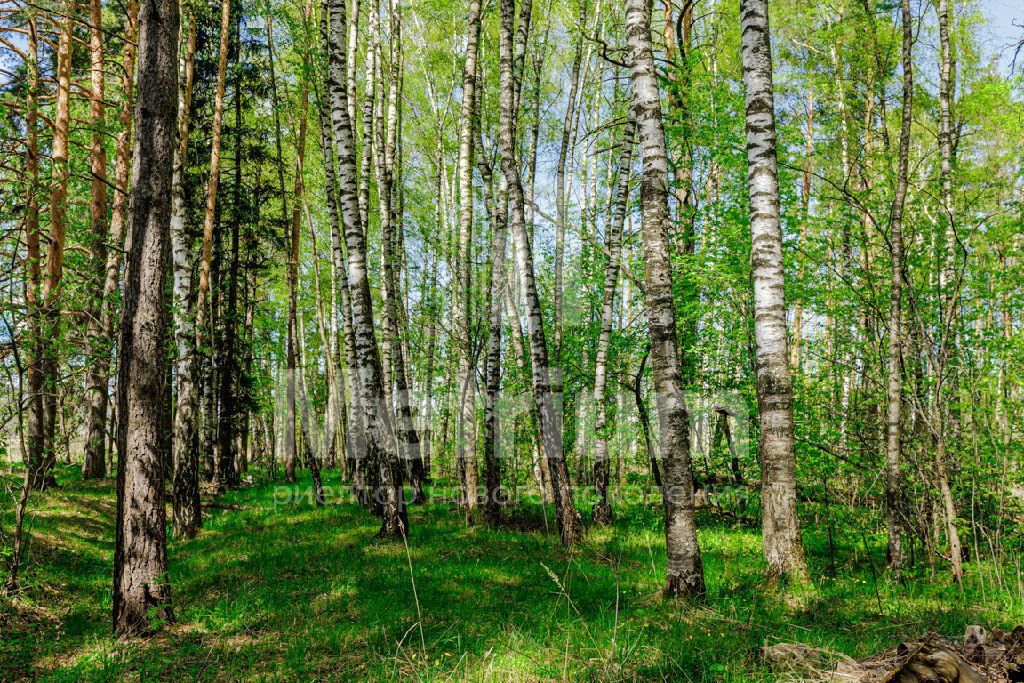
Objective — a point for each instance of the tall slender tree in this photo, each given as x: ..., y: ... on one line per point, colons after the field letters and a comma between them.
x: 467, y: 370
x: 944, y: 421
x: 203, y: 303
x: 42, y: 421
x: 228, y: 430
x: 602, y: 511
x: 894, y: 369
x: 94, y: 463
x: 294, y: 244
x: 185, y: 432
x: 684, y: 571
x: 380, y: 428
x: 780, y: 525
x: 568, y: 517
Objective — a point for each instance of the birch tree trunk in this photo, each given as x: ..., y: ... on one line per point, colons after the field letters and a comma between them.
x: 945, y: 420
x: 355, y: 433
x: 187, y: 513
x: 684, y: 571
x: 805, y: 211
x: 780, y: 523
x: 140, y: 552
x: 602, y: 511
x: 433, y: 313
x: 498, y: 212
x: 568, y: 518
x: 294, y: 242
x: 390, y: 220
x: 369, y: 100
x: 894, y: 379
x: 568, y: 134
x: 467, y: 370
x: 381, y: 442
x: 289, y: 434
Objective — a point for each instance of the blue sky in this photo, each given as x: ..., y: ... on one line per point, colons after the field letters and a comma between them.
x: 1003, y: 35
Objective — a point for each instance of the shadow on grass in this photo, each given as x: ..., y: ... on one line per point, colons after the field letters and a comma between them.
x: 302, y: 592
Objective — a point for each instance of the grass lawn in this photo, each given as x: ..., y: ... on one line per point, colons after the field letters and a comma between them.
x: 298, y: 592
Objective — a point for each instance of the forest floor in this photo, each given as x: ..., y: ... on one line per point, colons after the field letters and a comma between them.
x: 296, y: 592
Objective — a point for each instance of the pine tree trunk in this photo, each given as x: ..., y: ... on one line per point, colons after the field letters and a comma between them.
x: 94, y: 464
x: 229, y: 423
x: 34, y: 379
x: 119, y: 222
x: 203, y: 303
x: 602, y: 511
x: 685, y: 572
x: 783, y: 548
x: 43, y: 422
x: 32, y: 268
x: 141, y: 593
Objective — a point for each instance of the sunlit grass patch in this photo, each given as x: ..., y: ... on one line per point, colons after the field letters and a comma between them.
x: 306, y: 592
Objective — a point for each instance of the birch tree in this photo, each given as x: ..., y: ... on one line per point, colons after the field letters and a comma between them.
x: 568, y: 518
x: 602, y: 512
x: 684, y: 570
x: 780, y: 526
x: 381, y: 442
x: 188, y: 517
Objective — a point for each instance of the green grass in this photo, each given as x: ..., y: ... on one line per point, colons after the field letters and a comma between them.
x: 306, y: 593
